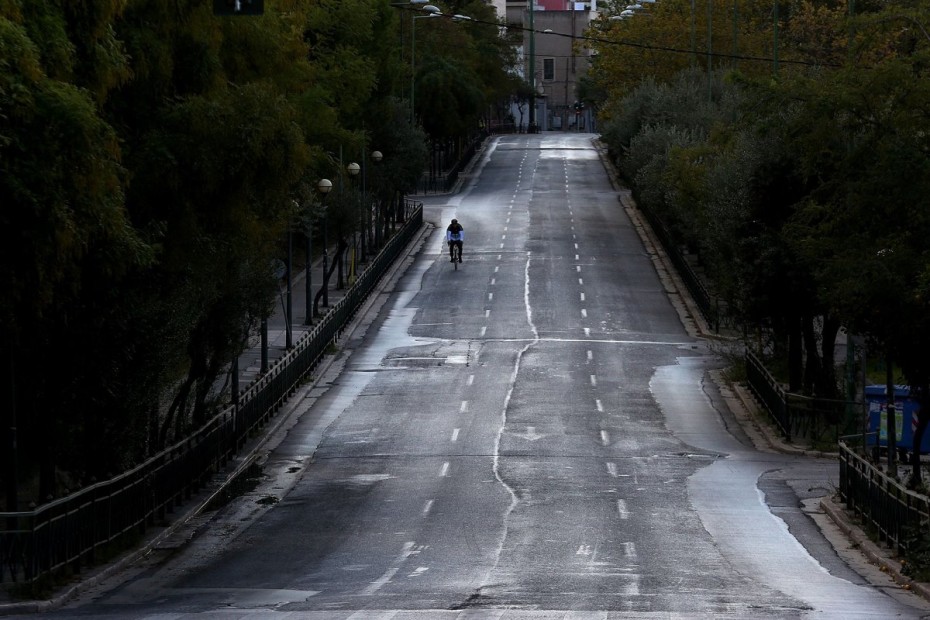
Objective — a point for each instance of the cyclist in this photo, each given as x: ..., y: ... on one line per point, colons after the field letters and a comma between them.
x: 455, y: 235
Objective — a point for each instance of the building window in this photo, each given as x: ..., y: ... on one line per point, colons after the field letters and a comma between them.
x: 548, y: 69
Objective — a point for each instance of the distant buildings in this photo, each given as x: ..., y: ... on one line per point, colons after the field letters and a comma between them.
x: 559, y: 62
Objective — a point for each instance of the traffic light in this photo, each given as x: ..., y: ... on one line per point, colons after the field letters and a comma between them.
x: 238, y: 7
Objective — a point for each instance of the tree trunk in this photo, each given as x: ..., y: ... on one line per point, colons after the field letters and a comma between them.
x: 319, y: 294
x: 923, y: 419
x: 826, y: 384
x: 812, y: 366
x: 795, y: 355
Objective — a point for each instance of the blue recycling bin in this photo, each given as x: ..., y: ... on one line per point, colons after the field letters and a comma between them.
x: 905, y: 410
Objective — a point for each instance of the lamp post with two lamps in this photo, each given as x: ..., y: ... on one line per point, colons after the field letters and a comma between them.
x: 432, y: 11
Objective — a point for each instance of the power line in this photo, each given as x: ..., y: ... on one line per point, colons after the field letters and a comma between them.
x: 625, y: 43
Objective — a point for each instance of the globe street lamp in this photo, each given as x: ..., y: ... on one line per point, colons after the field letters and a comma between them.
x: 376, y: 157
x: 353, y: 170
x: 324, y: 187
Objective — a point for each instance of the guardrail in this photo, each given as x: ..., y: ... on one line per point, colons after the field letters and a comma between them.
x: 80, y: 529
x: 896, y: 513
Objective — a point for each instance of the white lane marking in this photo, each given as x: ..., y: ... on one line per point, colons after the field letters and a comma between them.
x: 577, y: 257
x: 493, y: 281
x: 587, y: 332
x: 471, y: 379
x: 584, y: 550
x: 590, y: 355
x: 503, y: 237
x: 605, y: 438
x: 578, y: 268
x: 599, y: 405
x: 506, y: 227
x: 576, y: 246
x: 487, y: 313
x: 455, y: 434
x: 445, y: 469
x: 512, y: 382
x: 490, y: 296
x: 484, y: 330
x: 621, y: 508
x: 497, y: 268
x: 629, y: 549
x: 427, y: 507
x: 584, y: 313
x: 464, y: 406
x: 499, y: 256
x: 378, y: 583
x: 580, y: 282
x: 612, y: 469
x: 593, y: 380
x: 582, y: 296
x: 419, y: 571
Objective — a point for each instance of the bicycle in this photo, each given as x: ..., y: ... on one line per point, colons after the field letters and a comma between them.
x: 456, y: 254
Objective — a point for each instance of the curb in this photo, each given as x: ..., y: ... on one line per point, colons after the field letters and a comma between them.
x: 875, y: 554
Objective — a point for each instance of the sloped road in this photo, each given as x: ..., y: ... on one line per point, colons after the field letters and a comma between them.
x: 534, y: 435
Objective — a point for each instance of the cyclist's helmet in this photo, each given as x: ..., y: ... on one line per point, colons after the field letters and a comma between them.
x: 455, y: 221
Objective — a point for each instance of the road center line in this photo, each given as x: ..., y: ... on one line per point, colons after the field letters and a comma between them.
x: 445, y: 469
x: 463, y: 407
x: 605, y: 438
x: 378, y: 583
x: 427, y: 507
x: 455, y: 434
x: 621, y: 509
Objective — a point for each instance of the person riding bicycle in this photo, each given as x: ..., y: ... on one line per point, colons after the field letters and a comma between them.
x: 455, y: 235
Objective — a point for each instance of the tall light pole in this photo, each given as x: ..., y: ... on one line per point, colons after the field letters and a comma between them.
x: 376, y: 157
x: 532, y: 68
x: 353, y: 170
x: 324, y: 186
x: 433, y: 11
x: 289, y: 310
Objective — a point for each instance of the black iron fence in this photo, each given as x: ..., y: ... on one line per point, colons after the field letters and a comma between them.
x: 80, y: 529
x: 896, y: 514
x: 440, y: 180
x: 815, y: 419
x: 708, y: 304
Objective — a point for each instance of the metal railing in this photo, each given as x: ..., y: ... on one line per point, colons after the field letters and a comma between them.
x: 895, y: 513
x: 796, y: 415
x: 708, y: 305
x: 80, y: 529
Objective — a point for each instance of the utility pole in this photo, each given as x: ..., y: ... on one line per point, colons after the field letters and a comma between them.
x: 532, y: 69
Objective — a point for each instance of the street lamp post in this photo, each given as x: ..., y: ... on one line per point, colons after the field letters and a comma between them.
x: 324, y: 187
x: 353, y: 170
x: 433, y: 11
x: 532, y: 127
x: 289, y: 310
x: 376, y: 157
